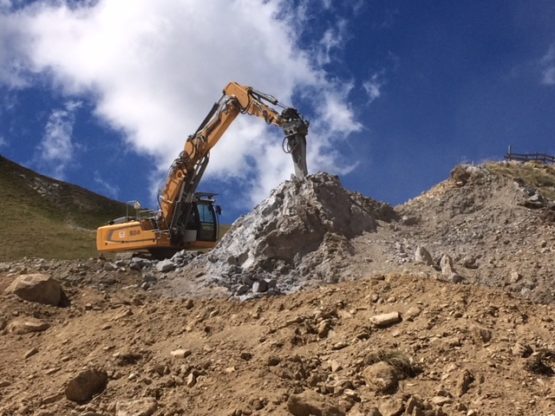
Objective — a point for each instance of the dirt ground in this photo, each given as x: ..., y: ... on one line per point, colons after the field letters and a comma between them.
x: 458, y: 350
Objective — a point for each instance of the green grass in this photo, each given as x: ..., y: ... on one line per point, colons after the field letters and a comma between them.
x: 60, y: 225
x: 536, y: 175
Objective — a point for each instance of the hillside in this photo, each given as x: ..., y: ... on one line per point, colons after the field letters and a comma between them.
x: 44, y: 217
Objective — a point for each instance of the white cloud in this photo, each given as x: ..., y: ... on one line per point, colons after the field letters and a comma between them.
x: 56, y: 150
x: 373, y: 86
x: 111, y: 190
x: 333, y: 38
x: 548, y: 66
x: 155, y: 68
x: 3, y: 141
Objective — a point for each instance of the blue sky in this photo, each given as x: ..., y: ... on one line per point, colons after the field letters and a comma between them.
x: 398, y: 92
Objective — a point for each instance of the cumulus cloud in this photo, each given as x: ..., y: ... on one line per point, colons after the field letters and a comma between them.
x: 548, y: 66
x: 154, y: 69
x: 56, y: 149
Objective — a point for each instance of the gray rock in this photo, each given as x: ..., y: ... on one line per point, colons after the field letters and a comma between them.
x: 165, y: 266
x: 260, y: 286
x: 297, y: 234
x: 423, y: 256
x: 138, y: 263
x: 149, y: 278
x: 242, y: 289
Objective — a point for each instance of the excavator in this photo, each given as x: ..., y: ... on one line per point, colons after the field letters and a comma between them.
x: 188, y: 219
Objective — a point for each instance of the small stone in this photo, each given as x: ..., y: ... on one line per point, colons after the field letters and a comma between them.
x: 522, y: 350
x: 52, y: 398
x: 247, y: 356
x: 310, y: 403
x: 260, y: 286
x: 180, y: 353
x: 242, y: 289
x: 469, y: 262
x: 86, y: 384
x: 423, y: 256
x: 139, y: 407
x: 514, y: 277
x: 455, y: 278
x: 386, y: 319
x: 273, y: 360
x: 335, y: 366
x: 381, y: 377
x: 165, y: 266
x: 482, y: 334
x: 463, y: 383
x: 391, y: 407
x: 339, y: 345
x: 412, y: 312
x: 52, y: 370
x: 323, y: 328
x: 441, y: 400
x: 27, y: 325
x: 191, y: 380
x: 31, y: 352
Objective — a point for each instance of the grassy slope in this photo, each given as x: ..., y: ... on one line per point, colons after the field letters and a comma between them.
x: 536, y: 175
x: 59, y: 225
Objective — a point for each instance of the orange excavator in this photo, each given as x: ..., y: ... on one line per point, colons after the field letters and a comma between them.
x: 188, y: 219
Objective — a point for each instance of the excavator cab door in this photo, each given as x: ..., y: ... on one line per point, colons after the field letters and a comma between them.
x: 208, y: 221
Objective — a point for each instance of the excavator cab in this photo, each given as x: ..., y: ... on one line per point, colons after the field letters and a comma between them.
x: 203, y: 222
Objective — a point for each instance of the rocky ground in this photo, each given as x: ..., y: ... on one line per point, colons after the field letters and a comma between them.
x: 442, y: 306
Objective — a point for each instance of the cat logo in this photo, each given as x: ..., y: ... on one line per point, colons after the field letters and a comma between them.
x: 122, y: 234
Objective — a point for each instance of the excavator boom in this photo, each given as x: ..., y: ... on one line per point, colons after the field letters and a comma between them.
x: 180, y: 207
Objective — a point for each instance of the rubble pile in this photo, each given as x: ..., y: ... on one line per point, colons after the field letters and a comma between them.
x: 301, y: 232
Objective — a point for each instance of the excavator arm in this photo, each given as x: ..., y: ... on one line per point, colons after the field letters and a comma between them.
x: 176, y: 201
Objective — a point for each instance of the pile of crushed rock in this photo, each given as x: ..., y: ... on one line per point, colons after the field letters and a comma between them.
x: 300, y: 234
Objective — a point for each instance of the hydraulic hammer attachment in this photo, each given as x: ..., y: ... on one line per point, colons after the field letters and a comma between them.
x: 296, y: 129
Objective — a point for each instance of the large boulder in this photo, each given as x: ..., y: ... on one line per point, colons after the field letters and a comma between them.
x: 39, y: 288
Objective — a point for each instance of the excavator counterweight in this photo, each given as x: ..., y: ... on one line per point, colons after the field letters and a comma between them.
x: 187, y: 219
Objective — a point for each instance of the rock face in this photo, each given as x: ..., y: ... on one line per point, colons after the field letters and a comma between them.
x: 38, y: 287
x: 86, y: 384
x: 297, y: 233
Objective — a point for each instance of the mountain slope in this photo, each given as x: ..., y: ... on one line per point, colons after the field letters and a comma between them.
x: 44, y: 217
